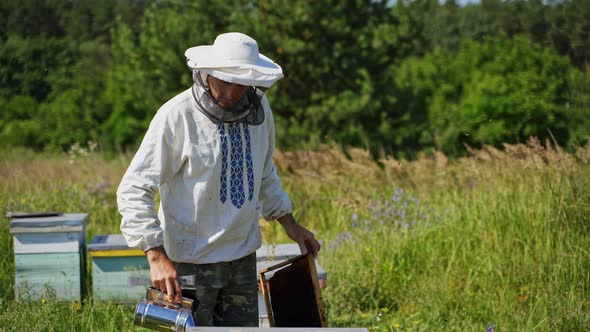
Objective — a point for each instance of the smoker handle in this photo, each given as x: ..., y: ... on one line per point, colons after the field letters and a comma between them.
x: 164, y: 299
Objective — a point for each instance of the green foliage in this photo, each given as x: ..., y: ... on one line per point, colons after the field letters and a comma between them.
x: 27, y: 64
x: 502, y: 90
x: 17, y: 124
x: 401, y: 78
x: 149, y: 67
x: 333, y: 54
x: 578, y: 106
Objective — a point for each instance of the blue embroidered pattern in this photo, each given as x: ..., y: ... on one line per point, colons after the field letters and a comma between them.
x: 223, y: 179
x: 249, y: 165
x: 236, y: 181
x: 237, y: 194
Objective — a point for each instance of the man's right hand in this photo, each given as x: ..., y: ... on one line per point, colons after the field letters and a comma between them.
x: 163, y: 273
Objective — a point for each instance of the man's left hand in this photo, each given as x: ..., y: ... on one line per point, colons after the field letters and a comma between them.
x: 304, y: 238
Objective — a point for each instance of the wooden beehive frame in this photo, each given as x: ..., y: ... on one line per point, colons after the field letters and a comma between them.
x: 314, y: 281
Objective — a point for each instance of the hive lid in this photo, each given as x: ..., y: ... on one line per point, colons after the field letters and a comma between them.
x: 66, y: 222
x: 111, y: 245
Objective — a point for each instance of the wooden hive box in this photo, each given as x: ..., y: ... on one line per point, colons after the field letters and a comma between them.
x: 49, y: 256
x: 119, y: 273
x: 270, y: 255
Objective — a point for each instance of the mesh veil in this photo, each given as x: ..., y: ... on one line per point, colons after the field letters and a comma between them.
x: 248, y: 109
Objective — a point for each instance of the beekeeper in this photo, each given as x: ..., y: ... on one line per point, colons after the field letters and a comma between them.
x: 208, y: 151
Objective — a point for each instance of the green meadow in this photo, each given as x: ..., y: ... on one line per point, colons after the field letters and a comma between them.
x: 498, y: 240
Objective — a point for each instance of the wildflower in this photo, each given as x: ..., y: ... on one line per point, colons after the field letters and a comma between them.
x: 402, y: 213
x: 378, y: 214
x: 396, y: 325
x: 491, y: 328
x: 342, y: 238
x: 101, y: 185
x: 23, y: 200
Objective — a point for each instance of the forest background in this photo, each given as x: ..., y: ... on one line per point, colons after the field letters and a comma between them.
x: 395, y: 77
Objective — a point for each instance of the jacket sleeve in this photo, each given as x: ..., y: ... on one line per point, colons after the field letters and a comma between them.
x: 274, y: 201
x: 159, y: 157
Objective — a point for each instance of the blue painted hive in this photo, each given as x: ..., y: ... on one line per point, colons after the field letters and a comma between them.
x: 119, y: 273
x: 49, y: 256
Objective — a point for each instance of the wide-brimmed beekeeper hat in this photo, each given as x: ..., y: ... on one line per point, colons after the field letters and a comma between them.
x: 234, y: 57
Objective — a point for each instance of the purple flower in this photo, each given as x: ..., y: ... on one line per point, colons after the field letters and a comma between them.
x: 491, y: 328
x: 342, y: 238
x: 378, y: 214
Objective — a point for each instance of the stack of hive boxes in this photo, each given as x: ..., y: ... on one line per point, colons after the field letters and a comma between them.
x: 49, y: 256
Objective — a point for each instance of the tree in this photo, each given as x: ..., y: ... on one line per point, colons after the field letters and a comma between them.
x: 502, y: 90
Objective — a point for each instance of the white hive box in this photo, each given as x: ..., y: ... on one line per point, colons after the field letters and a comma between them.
x: 49, y: 256
x: 119, y: 273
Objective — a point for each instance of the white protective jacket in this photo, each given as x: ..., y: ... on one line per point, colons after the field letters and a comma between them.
x: 214, y: 182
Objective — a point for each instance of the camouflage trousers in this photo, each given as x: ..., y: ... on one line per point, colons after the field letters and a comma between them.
x: 226, y: 292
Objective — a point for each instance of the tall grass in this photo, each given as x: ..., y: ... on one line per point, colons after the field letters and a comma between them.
x: 498, y: 240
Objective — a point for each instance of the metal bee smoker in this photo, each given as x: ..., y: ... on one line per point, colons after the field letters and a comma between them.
x: 157, y: 311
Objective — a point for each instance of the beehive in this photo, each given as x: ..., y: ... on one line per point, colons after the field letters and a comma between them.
x: 119, y: 273
x: 49, y: 256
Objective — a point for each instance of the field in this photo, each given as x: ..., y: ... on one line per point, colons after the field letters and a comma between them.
x: 495, y: 241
